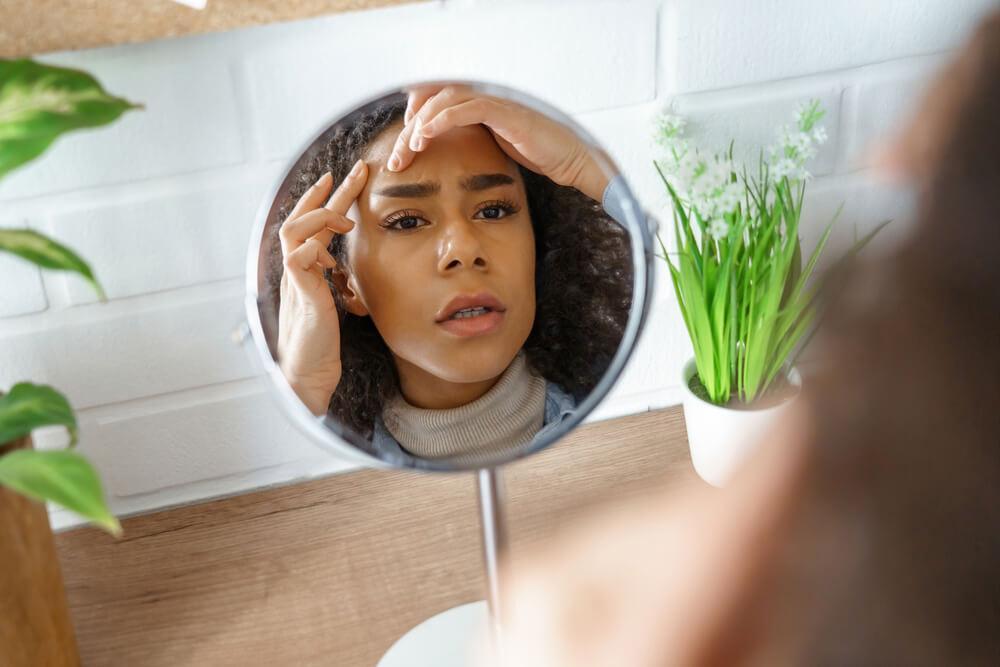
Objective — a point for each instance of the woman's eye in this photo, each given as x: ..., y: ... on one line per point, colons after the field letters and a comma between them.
x: 405, y: 222
x: 498, y: 211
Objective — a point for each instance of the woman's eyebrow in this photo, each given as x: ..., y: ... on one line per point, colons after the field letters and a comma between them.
x: 473, y: 183
x: 410, y: 190
x: 478, y: 182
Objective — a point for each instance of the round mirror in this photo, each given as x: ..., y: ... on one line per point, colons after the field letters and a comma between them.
x: 449, y: 276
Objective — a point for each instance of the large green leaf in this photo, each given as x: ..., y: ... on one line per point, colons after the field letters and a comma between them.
x: 39, y: 102
x: 49, y: 254
x: 62, y: 477
x: 29, y: 406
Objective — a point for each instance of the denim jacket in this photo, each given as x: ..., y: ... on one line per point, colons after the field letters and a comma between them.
x: 613, y: 194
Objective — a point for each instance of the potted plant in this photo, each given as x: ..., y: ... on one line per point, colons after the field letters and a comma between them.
x: 744, y: 294
x: 37, y: 104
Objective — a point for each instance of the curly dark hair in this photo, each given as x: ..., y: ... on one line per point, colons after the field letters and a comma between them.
x: 583, y: 278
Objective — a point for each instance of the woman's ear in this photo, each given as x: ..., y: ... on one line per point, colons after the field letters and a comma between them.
x: 345, y: 284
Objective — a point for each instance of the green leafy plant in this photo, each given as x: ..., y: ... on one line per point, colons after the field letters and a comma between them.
x: 744, y: 294
x: 38, y: 103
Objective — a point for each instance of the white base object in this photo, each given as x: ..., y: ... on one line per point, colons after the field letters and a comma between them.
x: 449, y: 639
x: 721, y: 438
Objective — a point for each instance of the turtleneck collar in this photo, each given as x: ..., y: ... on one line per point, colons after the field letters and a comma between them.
x: 502, y: 420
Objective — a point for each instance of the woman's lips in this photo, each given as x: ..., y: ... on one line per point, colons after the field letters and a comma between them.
x: 463, y: 301
x: 474, y: 326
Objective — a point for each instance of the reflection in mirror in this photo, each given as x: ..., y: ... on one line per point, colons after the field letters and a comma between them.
x: 453, y: 304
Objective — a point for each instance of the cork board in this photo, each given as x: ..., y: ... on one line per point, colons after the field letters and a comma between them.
x: 34, y: 27
x: 333, y: 571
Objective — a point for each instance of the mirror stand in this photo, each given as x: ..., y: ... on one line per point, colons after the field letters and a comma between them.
x: 494, y: 543
x: 448, y: 639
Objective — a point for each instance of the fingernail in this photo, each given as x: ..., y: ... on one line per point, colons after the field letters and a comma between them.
x: 356, y: 169
x: 415, y: 136
x: 324, y: 178
x: 394, y: 162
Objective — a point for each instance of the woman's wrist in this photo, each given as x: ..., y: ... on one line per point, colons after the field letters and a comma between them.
x: 592, y: 180
x: 316, y: 398
x: 315, y: 401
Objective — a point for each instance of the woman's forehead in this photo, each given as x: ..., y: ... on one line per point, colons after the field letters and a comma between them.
x: 458, y: 153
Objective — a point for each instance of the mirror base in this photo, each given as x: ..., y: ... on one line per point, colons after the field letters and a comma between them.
x: 448, y: 639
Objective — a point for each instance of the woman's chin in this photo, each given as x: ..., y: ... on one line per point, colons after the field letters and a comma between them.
x: 469, y: 368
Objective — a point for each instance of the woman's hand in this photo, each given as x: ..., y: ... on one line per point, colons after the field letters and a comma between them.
x: 308, y: 326
x: 531, y: 139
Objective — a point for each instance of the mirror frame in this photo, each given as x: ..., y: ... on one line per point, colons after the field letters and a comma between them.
x: 332, y: 436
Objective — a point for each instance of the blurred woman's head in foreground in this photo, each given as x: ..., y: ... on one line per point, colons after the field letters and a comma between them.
x: 893, y: 546
x: 867, y: 531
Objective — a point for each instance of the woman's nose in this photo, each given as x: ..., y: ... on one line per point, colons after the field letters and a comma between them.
x: 461, y: 247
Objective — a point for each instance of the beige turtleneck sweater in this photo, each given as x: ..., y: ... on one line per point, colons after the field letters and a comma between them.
x: 499, y: 422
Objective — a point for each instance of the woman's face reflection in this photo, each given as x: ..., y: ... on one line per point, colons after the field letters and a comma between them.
x: 455, y: 223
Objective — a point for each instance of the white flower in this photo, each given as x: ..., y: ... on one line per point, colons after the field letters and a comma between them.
x: 730, y: 198
x: 669, y: 130
x: 718, y: 229
x: 802, y: 142
x: 801, y: 112
x: 797, y: 145
x: 786, y: 136
x: 808, y: 114
x: 784, y: 167
x: 719, y: 171
x: 672, y: 125
x: 703, y: 184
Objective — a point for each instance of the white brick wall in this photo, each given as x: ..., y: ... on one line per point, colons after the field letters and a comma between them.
x: 21, y: 290
x: 161, y: 203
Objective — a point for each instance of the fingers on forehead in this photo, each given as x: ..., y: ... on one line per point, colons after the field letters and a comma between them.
x: 442, y: 99
x: 416, y: 99
x: 310, y: 199
x: 348, y: 191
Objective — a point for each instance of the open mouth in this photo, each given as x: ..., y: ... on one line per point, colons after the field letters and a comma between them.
x: 470, y: 312
x: 472, y: 315
x: 473, y: 322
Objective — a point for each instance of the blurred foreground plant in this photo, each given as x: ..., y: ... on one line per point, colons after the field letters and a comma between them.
x: 38, y: 103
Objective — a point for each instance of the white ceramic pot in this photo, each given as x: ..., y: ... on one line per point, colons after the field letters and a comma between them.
x: 721, y: 438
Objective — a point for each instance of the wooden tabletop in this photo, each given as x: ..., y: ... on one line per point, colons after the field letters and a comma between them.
x: 43, y: 26
x: 333, y: 571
